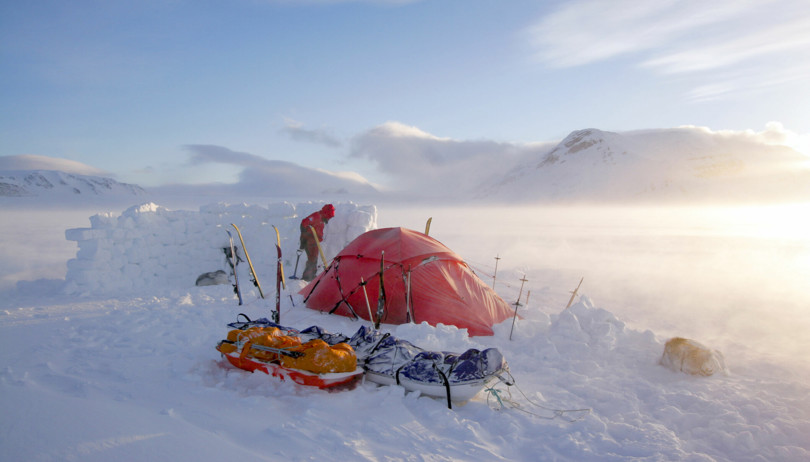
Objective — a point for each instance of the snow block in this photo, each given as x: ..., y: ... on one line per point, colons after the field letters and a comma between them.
x: 140, y: 247
x: 84, y: 234
x: 282, y: 210
x: 149, y: 207
x: 102, y: 220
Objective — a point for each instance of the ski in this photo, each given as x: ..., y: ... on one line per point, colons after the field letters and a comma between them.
x: 250, y: 264
x: 280, y: 263
x: 279, y: 279
x: 233, y: 259
x: 320, y: 249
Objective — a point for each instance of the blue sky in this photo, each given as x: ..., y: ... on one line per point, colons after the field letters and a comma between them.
x: 137, y: 88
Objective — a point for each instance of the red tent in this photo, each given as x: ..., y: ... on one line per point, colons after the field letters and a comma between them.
x: 443, y: 289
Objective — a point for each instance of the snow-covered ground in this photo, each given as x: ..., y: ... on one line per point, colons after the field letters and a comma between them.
x: 134, y: 375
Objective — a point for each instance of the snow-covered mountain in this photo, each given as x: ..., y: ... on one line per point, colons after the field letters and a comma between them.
x: 654, y: 165
x: 54, y: 183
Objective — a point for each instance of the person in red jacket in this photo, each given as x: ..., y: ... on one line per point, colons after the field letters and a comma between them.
x: 317, y: 220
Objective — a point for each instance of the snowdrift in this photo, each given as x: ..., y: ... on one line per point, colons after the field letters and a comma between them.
x: 141, y: 376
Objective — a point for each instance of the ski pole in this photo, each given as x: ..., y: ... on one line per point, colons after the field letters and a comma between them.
x: 381, y: 297
x: 408, y: 299
x: 292, y: 354
x: 281, y: 351
x: 368, y: 304
x: 298, y: 257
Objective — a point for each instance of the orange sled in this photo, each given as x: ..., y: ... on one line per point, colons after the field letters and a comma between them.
x: 327, y: 380
x: 272, y: 351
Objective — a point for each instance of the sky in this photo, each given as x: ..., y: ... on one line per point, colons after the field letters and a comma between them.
x: 157, y: 92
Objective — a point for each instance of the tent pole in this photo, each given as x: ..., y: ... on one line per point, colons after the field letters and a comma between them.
x: 495, y: 274
x: 408, y: 307
x: 517, y: 304
x: 574, y: 294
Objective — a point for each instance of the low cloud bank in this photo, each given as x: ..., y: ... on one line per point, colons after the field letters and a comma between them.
x: 266, y: 177
x: 35, y: 162
x: 427, y: 165
x: 413, y: 164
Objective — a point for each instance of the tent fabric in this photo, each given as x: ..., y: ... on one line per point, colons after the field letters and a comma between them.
x: 443, y: 288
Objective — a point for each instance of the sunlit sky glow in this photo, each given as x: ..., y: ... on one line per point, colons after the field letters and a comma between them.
x: 127, y: 87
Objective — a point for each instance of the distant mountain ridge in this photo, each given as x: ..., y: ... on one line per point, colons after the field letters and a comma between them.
x: 20, y: 183
x: 656, y: 165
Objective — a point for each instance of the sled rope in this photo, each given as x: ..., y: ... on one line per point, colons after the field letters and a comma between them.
x: 506, y: 402
x: 497, y: 394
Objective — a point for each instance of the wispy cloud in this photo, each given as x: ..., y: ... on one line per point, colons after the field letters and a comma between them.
x: 745, y: 81
x: 205, y: 153
x: 587, y: 31
x: 787, y: 38
x: 298, y: 132
x: 727, y: 45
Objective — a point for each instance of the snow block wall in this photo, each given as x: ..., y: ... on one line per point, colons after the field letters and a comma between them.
x: 151, y: 246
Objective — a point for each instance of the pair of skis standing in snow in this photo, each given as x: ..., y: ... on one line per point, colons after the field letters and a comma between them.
x: 309, y: 243
x: 233, y: 259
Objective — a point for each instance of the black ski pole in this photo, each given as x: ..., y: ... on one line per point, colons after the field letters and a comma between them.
x: 298, y: 257
x: 381, y: 295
